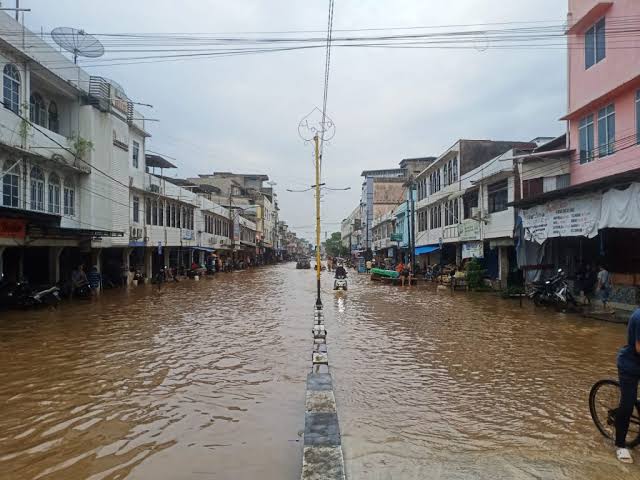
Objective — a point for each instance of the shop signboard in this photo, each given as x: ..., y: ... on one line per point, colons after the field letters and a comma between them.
x: 469, y: 230
x: 473, y: 250
x: 13, y: 228
x: 575, y: 217
x: 396, y: 237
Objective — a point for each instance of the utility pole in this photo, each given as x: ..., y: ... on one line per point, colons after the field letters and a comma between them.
x: 316, y: 142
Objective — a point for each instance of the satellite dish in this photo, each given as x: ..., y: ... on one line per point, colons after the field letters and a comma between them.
x: 77, y: 42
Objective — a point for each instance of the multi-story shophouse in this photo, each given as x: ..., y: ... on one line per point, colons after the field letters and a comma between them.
x: 461, y: 209
x: 351, y: 231
x: 596, y: 218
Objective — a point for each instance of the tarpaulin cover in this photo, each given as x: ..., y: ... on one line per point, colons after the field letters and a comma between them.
x: 426, y: 249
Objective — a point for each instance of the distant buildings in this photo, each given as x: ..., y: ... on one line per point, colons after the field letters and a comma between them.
x: 526, y: 208
x: 79, y: 186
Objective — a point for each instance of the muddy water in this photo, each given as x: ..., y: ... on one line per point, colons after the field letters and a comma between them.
x: 462, y: 386
x: 206, y: 380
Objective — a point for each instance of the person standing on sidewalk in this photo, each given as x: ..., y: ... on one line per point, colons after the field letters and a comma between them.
x: 605, y: 286
x: 628, y: 362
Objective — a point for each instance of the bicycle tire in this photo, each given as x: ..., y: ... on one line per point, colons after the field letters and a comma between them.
x: 600, y: 422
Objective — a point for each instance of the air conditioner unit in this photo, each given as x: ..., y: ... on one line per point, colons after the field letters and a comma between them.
x: 135, y: 233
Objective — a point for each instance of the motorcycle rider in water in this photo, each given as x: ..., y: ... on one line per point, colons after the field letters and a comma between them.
x: 340, y: 271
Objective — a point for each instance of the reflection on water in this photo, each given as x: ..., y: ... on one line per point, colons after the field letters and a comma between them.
x: 455, y: 386
x: 206, y: 380
x: 203, y: 380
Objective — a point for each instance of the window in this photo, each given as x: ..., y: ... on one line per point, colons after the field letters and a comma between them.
x: 160, y: 213
x: 37, y: 110
x: 54, y: 193
x: 585, y: 132
x: 469, y: 202
x: 606, y: 130
x: 147, y: 210
x: 136, y: 154
x: 11, y: 88
x: 454, y: 169
x: 178, y: 211
x: 594, y: 44
x: 168, y: 213
x: 69, y: 195
x: 563, y: 181
x: 154, y: 213
x: 37, y: 189
x: 54, y: 122
x: 435, y: 216
x: 498, y: 196
x: 136, y: 209
x: 10, y: 184
x: 445, y: 176
x: 451, y: 212
x: 533, y: 187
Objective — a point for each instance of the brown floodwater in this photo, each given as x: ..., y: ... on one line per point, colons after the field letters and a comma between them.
x: 206, y: 380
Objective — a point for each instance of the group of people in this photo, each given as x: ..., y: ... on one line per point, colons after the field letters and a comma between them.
x: 590, y: 282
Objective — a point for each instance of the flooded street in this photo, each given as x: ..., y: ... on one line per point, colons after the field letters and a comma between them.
x: 206, y: 380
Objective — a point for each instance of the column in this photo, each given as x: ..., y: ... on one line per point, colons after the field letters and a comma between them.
x: 166, y: 251
x: 1, y: 261
x: 503, y: 265
x: 148, y: 264
x: 54, y: 263
x: 96, y: 256
x: 126, y: 264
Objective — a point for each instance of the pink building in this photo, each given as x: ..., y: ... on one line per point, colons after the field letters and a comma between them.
x: 603, y: 110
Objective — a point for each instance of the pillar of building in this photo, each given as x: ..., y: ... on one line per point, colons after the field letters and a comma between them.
x: 503, y: 265
x: 54, y: 263
x: 1, y: 261
x: 148, y: 264
x: 166, y: 251
x: 126, y: 264
x: 96, y: 257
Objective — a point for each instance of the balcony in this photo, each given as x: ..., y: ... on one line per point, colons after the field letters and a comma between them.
x: 37, y: 142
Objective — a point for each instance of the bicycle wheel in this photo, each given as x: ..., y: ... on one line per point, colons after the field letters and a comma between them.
x: 604, y: 399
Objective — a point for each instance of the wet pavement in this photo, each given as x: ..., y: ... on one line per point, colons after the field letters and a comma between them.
x: 207, y: 380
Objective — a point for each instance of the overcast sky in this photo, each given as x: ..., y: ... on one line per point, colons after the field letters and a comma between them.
x: 241, y: 113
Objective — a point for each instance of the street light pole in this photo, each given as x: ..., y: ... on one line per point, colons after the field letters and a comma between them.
x: 316, y: 141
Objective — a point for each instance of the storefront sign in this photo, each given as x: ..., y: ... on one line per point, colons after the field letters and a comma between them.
x: 473, y: 250
x: 469, y: 230
x: 13, y: 228
x: 576, y: 217
x: 396, y: 237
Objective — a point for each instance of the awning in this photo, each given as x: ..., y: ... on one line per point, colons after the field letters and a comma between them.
x: 203, y: 249
x: 426, y: 249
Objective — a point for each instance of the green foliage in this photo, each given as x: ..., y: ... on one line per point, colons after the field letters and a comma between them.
x: 474, y: 272
x: 80, y: 146
x: 334, y: 246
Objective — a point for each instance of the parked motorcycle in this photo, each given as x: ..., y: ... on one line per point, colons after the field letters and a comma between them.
x: 21, y: 295
x: 553, y: 292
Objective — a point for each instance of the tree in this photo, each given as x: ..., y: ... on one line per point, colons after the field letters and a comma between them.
x: 333, y: 245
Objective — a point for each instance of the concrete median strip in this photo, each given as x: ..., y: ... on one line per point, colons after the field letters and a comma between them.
x: 322, y: 456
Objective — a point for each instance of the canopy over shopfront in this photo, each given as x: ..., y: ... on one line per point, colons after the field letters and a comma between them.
x: 425, y: 249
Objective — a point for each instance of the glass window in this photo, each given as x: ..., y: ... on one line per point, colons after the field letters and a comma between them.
x: 563, y: 181
x: 54, y: 193
x: 37, y: 189
x: 10, y: 184
x: 498, y: 196
x: 160, y: 213
x: 154, y: 213
x: 585, y: 132
x: 37, y: 110
x: 455, y: 169
x: 136, y: 209
x: 54, y: 122
x: 11, y: 88
x: 69, y: 195
x: 136, y: 154
x: 594, y: 44
x: 469, y: 201
x: 168, y: 213
x: 147, y: 210
x: 606, y: 130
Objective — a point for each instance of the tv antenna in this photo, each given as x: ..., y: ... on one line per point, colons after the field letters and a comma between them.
x: 77, y: 42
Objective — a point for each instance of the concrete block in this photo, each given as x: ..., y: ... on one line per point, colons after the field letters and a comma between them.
x: 320, y: 401
x: 321, y: 429
x: 322, y: 463
x: 318, y: 357
x: 319, y: 381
